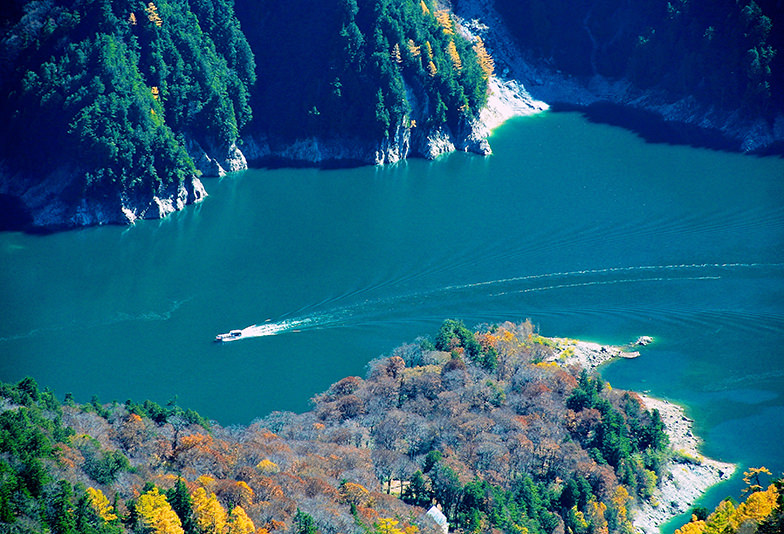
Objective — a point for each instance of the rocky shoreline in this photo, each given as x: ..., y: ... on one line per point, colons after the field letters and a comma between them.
x: 689, y: 472
x: 543, y: 82
x: 522, y: 86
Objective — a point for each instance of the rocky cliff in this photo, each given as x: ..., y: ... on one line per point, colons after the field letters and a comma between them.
x: 683, y: 117
x: 54, y: 202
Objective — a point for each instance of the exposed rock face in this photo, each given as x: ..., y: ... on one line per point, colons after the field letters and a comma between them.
x: 406, y: 141
x: 50, y: 202
x: 216, y: 161
x: 166, y: 202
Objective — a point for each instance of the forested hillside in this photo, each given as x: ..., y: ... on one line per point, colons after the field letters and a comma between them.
x: 475, y: 423
x: 111, y: 89
x: 726, y: 53
x: 124, y: 101
x: 357, y: 68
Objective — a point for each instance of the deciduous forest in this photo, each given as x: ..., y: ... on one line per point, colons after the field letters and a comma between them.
x: 475, y: 423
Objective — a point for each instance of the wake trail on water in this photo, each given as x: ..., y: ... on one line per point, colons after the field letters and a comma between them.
x: 377, y: 310
x: 112, y: 319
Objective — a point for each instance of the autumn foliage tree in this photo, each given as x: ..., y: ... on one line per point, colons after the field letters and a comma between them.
x: 761, y: 511
x: 156, y: 515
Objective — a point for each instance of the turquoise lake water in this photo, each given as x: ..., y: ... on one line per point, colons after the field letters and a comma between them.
x: 584, y: 228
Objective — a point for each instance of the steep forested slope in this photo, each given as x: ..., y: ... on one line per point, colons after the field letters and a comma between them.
x: 356, y: 68
x: 727, y: 53
x: 124, y: 102
x: 477, y: 424
x: 111, y: 90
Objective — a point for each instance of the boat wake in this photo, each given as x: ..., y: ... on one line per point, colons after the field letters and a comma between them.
x: 288, y: 325
x: 378, y: 310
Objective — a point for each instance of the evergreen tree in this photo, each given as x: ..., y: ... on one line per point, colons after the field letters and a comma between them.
x: 182, y: 504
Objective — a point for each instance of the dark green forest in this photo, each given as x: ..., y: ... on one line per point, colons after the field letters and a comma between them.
x: 115, y: 89
x: 342, y: 68
x: 112, y: 92
x: 724, y: 52
x: 112, y: 87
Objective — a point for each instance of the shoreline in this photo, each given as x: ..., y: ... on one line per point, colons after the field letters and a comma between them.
x: 689, y: 473
x: 590, y: 355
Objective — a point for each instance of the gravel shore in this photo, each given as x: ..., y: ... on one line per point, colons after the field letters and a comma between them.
x: 690, y: 473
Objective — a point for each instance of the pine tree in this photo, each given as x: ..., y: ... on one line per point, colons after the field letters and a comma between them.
x: 182, y: 504
x: 61, y: 516
x: 304, y: 523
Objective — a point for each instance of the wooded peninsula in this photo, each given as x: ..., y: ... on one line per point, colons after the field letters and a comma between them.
x: 496, y: 428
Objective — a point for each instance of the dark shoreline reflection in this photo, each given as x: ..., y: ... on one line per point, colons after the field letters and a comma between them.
x: 653, y: 128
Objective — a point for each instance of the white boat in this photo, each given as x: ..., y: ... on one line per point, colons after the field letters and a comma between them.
x: 233, y: 335
x: 230, y: 336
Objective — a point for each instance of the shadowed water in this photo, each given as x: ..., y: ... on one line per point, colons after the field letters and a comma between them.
x: 584, y: 228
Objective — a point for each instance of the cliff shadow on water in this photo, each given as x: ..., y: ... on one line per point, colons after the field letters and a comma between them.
x: 653, y: 128
x: 281, y: 162
x: 14, y: 215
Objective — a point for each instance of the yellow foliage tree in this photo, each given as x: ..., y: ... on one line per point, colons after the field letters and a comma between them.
x: 619, y: 500
x: 156, y: 514
x: 431, y: 69
x: 596, y: 517
x: 445, y: 20
x: 756, y: 508
x: 413, y: 49
x: 239, y: 522
x: 100, y: 504
x: 132, y: 19
x: 454, y: 56
x: 208, y: 512
x: 425, y: 10
x: 719, y: 520
x: 694, y: 527
x: 267, y: 467
x: 386, y: 525
x: 486, y: 62
x: 152, y: 14
x: 395, y: 54
x: 751, y: 478
x: 428, y: 50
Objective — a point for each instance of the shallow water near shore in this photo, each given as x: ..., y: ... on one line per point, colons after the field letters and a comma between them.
x: 584, y: 228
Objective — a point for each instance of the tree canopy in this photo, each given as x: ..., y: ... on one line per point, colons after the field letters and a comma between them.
x: 111, y: 88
